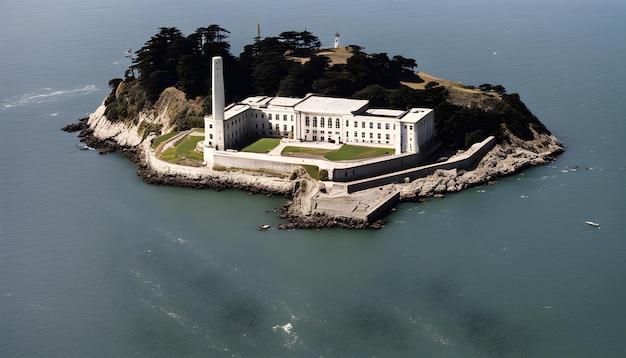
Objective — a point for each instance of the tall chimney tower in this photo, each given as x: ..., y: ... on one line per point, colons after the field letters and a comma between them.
x: 217, y: 95
x: 218, y: 89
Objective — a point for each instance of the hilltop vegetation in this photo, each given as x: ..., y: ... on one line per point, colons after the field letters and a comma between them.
x: 292, y: 65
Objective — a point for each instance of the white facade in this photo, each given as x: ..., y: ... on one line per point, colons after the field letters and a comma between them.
x: 316, y: 119
x: 319, y: 119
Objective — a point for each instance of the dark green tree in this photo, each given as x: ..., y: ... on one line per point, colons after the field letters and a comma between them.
x: 266, y: 62
x: 157, y: 61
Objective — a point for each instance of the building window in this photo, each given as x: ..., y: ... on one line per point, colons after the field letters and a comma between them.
x: 307, y: 122
x: 210, y: 135
x: 387, y: 136
x: 285, y: 127
x: 378, y: 135
x: 387, y: 126
x: 356, y: 124
x: 362, y: 124
x: 308, y: 130
x: 378, y: 125
x: 347, y: 123
x: 314, y: 137
x: 371, y: 125
x: 284, y: 117
x: 314, y: 121
x: 322, y: 122
x: 269, y: 116
x: 371, y: 135
x: 362, y: 134
x: 337, y: 123
x: 356, y: 134
x: 347, y: 134
x: 410, y: 127
x: 277, y: 126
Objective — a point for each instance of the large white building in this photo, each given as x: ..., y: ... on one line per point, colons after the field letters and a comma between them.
x: 313, y: 118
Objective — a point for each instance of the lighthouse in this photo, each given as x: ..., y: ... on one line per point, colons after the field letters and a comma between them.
x: 336, y: 39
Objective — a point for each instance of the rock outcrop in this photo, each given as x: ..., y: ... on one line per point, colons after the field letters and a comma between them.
x: 133, y: 140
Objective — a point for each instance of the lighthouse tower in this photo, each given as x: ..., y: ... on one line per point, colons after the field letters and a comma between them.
x: 336, y: 39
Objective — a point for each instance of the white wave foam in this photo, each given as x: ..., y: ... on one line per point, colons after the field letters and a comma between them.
x: 291, y: 339
x: 47, y: 95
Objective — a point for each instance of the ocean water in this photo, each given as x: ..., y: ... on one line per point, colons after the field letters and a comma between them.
x: 94, y: 262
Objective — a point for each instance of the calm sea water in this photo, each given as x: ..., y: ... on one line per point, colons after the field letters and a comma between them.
x: 93, y: 262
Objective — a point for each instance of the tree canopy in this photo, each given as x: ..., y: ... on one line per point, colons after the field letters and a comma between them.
x: 290, y: 65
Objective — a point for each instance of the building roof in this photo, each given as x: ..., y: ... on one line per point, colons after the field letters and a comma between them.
x: 385, y: 112
x: 284, y: 102
x: 330, y: 105
x: 414, y: 115
x: 257, y: 101
x: 234, y: 110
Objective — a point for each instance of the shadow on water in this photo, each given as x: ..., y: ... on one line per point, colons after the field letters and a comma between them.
x: 370, y: 330
x: 184, y: 304
x: 487, y: 331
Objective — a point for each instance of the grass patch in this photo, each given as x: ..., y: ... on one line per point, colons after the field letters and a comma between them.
x: 346, y: 152
x: 169, y: 155
x: 262, y: 145
x: 163, y: 138
x: 316, y: 151
x: 183, y: 151
x: 313, y: 170
x: 351, y: 152
x: 188, y: 148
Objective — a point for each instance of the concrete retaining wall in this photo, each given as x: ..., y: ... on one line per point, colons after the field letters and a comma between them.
x: 383, y: 165
x: 250, y: 161
x: 464, y: 161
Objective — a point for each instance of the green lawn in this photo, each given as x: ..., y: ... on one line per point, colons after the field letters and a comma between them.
x: 346, y: 152
x: 184, y: 150
x: 351, y: 152
x: 163, y: 138
x: 317, y: 151
x: 262, y: 145
x: 313, y: 170
x: 188, y: 146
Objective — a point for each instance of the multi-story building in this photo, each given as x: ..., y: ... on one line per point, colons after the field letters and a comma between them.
x: 314, y: 119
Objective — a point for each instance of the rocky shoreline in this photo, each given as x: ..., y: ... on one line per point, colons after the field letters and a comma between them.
x: 504, y: 159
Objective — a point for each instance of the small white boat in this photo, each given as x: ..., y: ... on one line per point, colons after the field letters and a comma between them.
x: 591, y: 223
x: 264, y: 227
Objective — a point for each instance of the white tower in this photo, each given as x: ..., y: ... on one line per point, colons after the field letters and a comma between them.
x: 336, y: 39
x: 217, y: 94
x: 214, y: 124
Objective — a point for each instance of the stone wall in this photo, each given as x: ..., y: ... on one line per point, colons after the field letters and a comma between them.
x: 251, y: 161
x: 383, y: 165
x: 463, y: 161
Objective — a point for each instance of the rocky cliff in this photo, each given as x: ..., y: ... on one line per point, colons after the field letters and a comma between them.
x: 132, y: 137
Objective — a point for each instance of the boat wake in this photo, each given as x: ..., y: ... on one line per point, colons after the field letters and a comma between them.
x: 46, y: 95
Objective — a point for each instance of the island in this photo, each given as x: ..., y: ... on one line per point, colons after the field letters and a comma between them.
x: 343, y: 135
